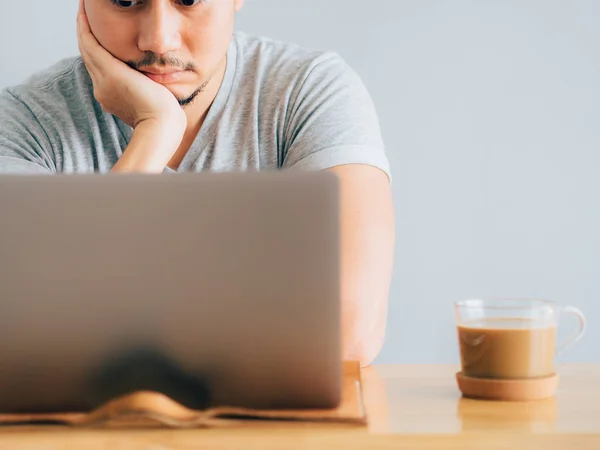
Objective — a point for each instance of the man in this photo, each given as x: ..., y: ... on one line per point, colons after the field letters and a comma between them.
x: 166, y: 85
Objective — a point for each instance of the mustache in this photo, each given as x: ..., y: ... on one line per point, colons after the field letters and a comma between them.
x: 152, y: 59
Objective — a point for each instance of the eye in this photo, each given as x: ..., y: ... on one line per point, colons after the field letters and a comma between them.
x: 190, y: 2
x: 126, y: 4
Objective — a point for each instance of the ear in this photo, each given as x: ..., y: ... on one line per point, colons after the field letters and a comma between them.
x: 238, y: 4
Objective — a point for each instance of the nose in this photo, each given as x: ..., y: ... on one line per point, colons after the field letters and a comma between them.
x: 159, y: 29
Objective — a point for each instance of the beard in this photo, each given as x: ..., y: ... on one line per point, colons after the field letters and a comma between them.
x: 187, y: 101
x: 168, y: 61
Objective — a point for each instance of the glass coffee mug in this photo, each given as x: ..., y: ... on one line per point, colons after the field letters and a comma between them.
x: 511, y: 338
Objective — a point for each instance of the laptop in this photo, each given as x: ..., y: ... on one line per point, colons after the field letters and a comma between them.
x: 214, y: 289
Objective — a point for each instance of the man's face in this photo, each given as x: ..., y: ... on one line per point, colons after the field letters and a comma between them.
x: 190, y: 37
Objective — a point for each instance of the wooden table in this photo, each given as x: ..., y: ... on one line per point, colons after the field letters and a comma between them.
x: 412, y: 407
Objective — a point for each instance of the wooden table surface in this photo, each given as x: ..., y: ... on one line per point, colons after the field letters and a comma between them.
x: 414, y: 407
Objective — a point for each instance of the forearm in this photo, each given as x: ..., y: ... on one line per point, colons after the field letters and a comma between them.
x: 367, y: 251
x: 151, y: 147
x: 366, y: 278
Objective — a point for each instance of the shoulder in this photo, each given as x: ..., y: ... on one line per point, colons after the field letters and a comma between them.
x: 287, y: 65
x: 60, y: 89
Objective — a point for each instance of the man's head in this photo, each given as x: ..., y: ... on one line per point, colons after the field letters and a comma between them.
x: 159, y: 36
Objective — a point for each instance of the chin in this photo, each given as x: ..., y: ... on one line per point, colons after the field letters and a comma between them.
x: 178, y: 91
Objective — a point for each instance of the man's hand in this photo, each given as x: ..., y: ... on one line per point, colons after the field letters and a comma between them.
x: 148, y: 107
x: 121, y: 90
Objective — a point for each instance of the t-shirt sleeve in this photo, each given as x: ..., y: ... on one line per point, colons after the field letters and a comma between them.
x: 333, y: 120
x: 24, y: 145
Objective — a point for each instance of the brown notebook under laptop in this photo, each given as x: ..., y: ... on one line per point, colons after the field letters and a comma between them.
x: 148, y: 409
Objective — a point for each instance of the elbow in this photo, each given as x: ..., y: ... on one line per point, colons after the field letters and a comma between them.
x: 363, y: 331
x: 370, y: 353
x: 366, y: 348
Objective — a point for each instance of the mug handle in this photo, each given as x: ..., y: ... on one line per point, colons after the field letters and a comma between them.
x: 578, y: 334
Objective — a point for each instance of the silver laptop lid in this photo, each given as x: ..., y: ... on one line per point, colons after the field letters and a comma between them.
x: 212, y: 288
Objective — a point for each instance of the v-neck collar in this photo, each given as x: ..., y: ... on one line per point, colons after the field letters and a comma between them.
x: 204, y: 136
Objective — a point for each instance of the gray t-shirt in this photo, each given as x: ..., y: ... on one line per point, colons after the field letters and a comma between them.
x: 280, y: 107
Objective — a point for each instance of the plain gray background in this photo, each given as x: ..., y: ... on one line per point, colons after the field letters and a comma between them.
x: 491, y: 114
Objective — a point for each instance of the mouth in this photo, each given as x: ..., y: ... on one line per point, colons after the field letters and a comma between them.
x: 163, y: 75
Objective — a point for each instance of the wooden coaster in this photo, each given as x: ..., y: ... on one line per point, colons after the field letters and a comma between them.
x: 508, y: 390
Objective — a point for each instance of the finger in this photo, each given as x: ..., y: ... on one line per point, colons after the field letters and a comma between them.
x: 92, y: 52
x: 86, y: 39
x: 82, y: 39
x: 88, y: 61
x: 92, y: 67
x: 82, y: 21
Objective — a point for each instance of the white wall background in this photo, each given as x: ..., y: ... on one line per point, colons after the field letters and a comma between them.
x: 491, y: 114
